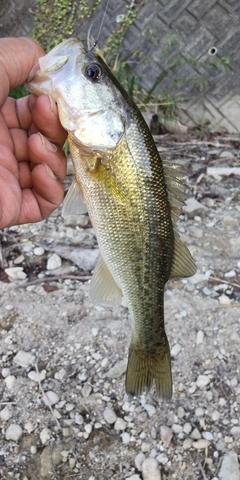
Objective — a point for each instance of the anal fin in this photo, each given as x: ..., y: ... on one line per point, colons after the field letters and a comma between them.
x: 103, y: 289
x: 182, y: 264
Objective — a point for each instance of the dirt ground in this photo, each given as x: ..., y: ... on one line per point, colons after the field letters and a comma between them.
x: 53, y: 340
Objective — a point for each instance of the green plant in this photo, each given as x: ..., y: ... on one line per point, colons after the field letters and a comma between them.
x: 18, y: 92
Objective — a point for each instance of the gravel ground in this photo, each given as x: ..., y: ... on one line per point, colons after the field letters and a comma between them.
x: 63, y: 411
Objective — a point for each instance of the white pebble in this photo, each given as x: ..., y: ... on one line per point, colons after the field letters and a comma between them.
x: 24, y: 359
x: 9, y: 307
x: 201, y: 444
x: 200, y: 337
x: 207, y: 436
x: 199, y: 412
x: 176, y: 349
x: 45, y: 434
x: 230, y: 274
x: 176, y: 428
x: 18, y: 260
x: 150, y: 469
x: 38, y: 251
x: 37, y: 377
x: 134, y: 477
x: 109, y: 415
x: 224, y: 299
x: 88, y: 428
x: 95, y: 332
x: 10, y: 380
x: 145, y: 447
x: 50, y: 397
x: 16, y: 273
x: 125, y: 437
x: 187, y: 443
x: 29, y: 427
x: 139, y: 459
x: 187, y: 428
x: 202, y: 381
x: 5, y: 414
x: 54, y: 262
x: 195, y: 434
x: 162, y: 458
x: 33, y: 449
x: 166, y: 435
x: 86, y: 390
x: 6, y: 372
x: 150, y: 409
x: 120, y: 424
x: 215, y: 415
x: 118, y: 369
x: 13, y: 432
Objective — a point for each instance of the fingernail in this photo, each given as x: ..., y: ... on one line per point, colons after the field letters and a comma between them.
x: 50, y: 172
x: 53, y: 106
x: 48, y: 145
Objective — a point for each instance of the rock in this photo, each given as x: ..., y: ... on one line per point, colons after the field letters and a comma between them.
x: 162, y: 458
x: 166, y: 435
x: 224, y: 299
x: 231, y: 221
x: 202, y: 381
x: 145, y: 447
x: 230, y: 274
x: 133, y: 477
x: 10, y: 380
x: 201, y: 444
x: 86, y: 390
x: 176, y: 349
x: 76, y: 221
x: 13, y: 432
x: 16, y: 273
x: 118, y: 369
x: 235, y: 431
x: 187, y: 443
x: 6, y: 372
x: 192, y: 208
x: 150, y: 409
x: 150, y: 469
x: 38, y: 251
x: 215, y: 416
x: 125, y: 437
x: 176, y: 428
x: 109, y: 415
x: 207, y: 291
x: 187, y: 428
x: 200, y: 337
x: 37, y: 377
x: 199, y: 412
x: 120, y: 424
x: 139, y: 459
x: 230, y: 468
x: 207, y: 436
x: 45, y: 434
x: 195, y: 434
x: 54, y: 261
x: 50, y: 397
x: 19, y: 260
x: 24, y: 359
x: 195, y: 231
x: 6, y: 414
x: 226, y: 154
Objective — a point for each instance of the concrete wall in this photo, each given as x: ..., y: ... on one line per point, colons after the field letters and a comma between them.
x: 168, y: 32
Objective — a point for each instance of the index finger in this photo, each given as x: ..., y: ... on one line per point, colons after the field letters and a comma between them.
x: 17, y: 57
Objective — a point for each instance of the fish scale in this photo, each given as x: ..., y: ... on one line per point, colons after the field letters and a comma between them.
x: 132, y: 197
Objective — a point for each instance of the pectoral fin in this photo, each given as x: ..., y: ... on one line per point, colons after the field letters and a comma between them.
x: 73, y: 203
x: 103, y: 289
x: 182, y: 264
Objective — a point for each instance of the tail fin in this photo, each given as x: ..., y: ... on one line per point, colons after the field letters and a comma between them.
x: 143, y: 369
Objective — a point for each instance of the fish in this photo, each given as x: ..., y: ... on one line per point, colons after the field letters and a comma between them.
x: 132, y: 196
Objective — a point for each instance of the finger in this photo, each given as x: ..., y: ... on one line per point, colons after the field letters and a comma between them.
x: 41, y: 150
x: 45, y: 196
x: 17, y: 57
x: 46, y: 120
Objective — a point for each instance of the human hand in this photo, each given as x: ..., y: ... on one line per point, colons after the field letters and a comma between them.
x: 32, y: 165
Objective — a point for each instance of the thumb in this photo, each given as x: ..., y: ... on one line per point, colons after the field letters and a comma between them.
x: 17, y: 57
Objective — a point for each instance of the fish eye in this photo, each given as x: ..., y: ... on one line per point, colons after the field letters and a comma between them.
x: 93, y: 72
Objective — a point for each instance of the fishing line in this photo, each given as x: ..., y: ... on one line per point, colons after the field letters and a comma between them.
x: 100, y: 29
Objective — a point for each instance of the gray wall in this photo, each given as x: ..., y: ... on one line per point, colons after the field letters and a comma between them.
x: 165, y: 32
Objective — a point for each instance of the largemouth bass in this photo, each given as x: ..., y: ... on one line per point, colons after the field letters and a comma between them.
x: 132, y: 198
